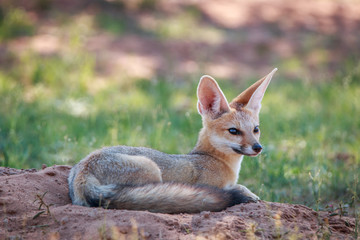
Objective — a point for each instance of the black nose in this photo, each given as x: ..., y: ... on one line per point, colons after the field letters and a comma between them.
x: 257, y: 147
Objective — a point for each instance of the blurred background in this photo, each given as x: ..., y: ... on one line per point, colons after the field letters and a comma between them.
x: 79, y: 75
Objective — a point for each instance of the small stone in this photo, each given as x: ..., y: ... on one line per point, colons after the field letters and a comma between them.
x: 146, y: 235
x: 205, y: 214
x: 123, y: 231
x: 64, y: 220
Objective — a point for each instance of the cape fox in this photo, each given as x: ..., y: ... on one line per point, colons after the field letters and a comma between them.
x: 138, y: 178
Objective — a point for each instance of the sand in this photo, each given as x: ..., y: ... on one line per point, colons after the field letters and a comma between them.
x: 57, y: 218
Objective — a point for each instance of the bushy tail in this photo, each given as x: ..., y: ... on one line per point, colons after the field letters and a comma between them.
x: 164, y: 197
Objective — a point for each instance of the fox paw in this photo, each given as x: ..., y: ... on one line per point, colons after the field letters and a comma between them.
x: 244, y: 190
x: 252, y: 197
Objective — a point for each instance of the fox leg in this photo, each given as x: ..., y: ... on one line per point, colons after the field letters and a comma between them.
x: 100, y: 172
x: 127, y: 169
x: 140, y: 170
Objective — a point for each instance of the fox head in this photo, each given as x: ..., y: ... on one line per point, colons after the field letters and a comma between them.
x: 231, y: 128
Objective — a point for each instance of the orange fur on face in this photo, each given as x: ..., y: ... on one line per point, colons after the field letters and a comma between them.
x: 215, y: 133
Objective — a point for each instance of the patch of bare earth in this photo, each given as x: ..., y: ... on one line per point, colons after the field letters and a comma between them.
x: 22, y: 192
x: 304, y: 39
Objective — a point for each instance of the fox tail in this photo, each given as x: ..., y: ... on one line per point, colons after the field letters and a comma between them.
x: 163, y: 197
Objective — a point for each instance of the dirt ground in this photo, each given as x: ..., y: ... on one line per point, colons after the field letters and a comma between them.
x: 298, y: 37
x: 35, y: 205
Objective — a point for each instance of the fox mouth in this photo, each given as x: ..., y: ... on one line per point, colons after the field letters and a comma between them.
x: 240, y: 151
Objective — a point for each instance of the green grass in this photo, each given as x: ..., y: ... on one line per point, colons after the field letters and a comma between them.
x: 14, y: 22
x: 55, y: 110
x: 310, y: 131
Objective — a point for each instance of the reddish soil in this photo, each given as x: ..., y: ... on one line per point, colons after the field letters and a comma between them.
x: 20, y: 216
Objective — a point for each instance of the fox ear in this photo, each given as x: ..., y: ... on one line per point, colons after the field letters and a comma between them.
x: 211, y: 100
x: 252, y: 96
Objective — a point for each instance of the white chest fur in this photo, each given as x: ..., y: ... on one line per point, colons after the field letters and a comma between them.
x: 237, y: 167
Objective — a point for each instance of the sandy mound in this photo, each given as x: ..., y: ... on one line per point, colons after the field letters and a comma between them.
x: 21, y: 192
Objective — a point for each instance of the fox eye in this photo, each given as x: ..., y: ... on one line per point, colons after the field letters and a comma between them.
x: 234, y: 131
x: 256, y: 129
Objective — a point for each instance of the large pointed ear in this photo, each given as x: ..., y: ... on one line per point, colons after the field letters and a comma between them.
x: 211, y: 100
x: 252, y: 96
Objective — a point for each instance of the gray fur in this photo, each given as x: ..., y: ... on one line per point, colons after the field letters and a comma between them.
x: 140, y: 178
x: 166, y: 198
x: 109, y: 183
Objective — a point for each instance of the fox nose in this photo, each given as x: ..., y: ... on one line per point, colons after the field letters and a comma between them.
x: 257, y: 147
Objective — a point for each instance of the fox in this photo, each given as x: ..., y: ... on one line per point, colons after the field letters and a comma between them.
x: 205, y: 179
